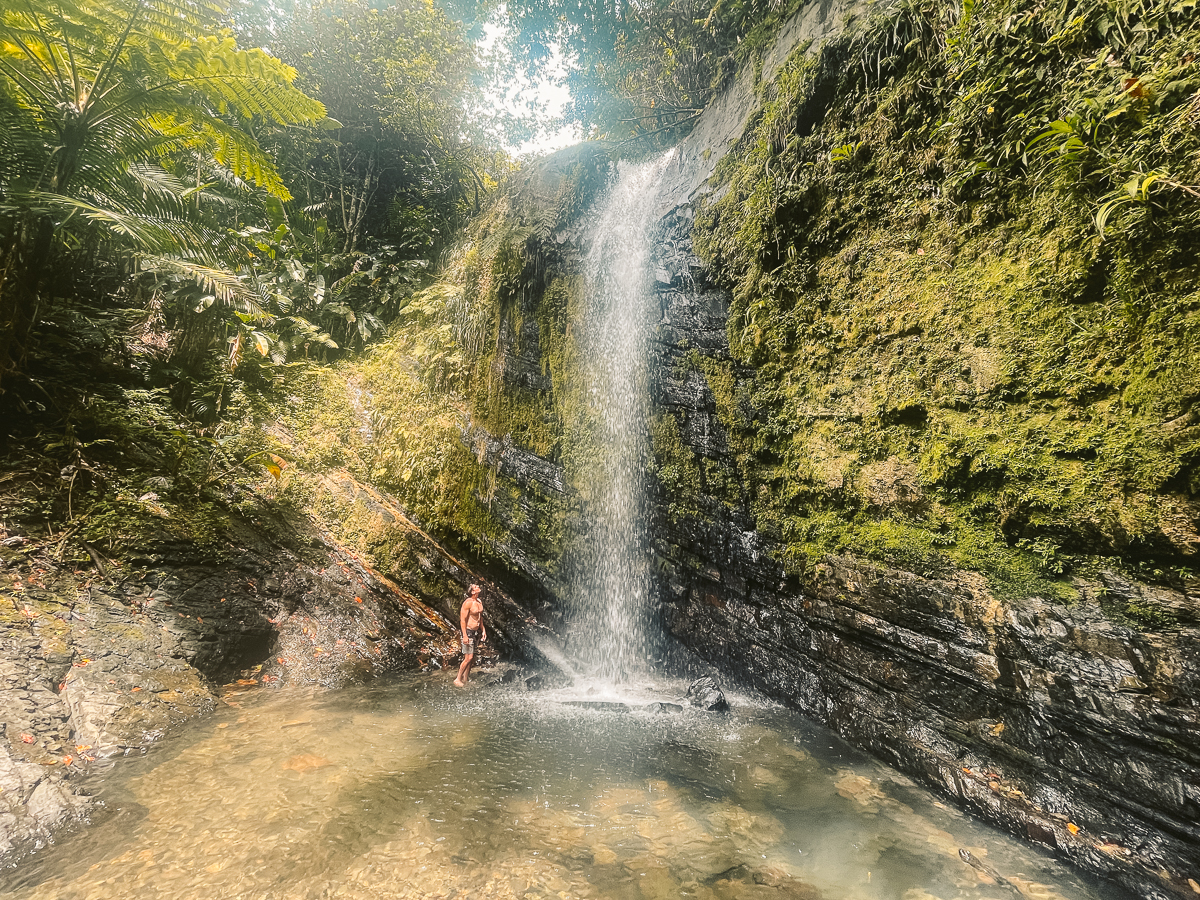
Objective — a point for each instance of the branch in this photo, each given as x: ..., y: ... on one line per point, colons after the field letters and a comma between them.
x: 660, y: 113
x: 646, y: 134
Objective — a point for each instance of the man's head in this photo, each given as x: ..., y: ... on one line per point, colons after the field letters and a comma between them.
x: 474, y: 590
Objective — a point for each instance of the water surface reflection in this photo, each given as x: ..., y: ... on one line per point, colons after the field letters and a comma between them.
x: 414, y: 789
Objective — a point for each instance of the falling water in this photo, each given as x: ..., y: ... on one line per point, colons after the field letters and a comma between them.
x: 611, y: 589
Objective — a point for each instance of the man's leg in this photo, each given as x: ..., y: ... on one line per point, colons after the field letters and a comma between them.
x: 464, y: 670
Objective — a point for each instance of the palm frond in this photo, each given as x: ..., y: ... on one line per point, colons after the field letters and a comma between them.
x: 226, y: 286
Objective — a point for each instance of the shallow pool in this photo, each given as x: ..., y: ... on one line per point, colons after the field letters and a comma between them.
x: 415, y: 789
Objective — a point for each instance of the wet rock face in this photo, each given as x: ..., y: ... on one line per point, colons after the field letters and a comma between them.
x: 1051, y: 720
x: 703, y: 693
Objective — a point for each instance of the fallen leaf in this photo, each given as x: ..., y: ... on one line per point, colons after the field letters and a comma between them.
x: 27, y: 738
x: 66, y: 760
x: 1073, y: 828
x: 965, y: 769
x: 358, y: 599
x: 246, y: 681
x: 279, y: 659
x: 135, y: 690
x: 82, y: 747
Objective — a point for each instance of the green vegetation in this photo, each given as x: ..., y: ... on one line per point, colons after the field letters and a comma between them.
x: 639, y: 71
x: 409, y: 163
x: 961, y: 248
x: 114, y: 114
x: 960, y: 243
x: 185, y: 236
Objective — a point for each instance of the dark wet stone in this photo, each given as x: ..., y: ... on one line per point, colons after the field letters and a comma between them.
x: 534, y: 682
x: 703, y: 693
x: 663, y: 708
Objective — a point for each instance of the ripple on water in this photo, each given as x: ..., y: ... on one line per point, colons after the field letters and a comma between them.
x: 389, y: 791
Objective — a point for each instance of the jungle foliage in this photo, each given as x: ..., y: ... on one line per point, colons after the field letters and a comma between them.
x: 636, y: 71
x: 182, y: 225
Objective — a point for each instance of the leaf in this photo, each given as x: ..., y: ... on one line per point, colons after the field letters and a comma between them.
x: 1147, y: 183
x: 1106, y: 210
x: 295, y: 269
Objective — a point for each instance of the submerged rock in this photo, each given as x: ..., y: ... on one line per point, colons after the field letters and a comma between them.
x: 609, y: 705
x: 664, y: 708
x: 703, y: 693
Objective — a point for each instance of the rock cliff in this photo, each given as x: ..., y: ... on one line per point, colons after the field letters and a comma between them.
x: 875, y: 498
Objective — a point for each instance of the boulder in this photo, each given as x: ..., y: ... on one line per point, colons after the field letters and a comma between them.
x: 703, y: 693
x: 664, y: 708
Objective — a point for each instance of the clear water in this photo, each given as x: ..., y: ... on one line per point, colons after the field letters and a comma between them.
x: 414, y: 789
x: 611, y: 589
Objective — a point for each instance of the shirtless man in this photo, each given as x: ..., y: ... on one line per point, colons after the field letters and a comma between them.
x: 470, y: 622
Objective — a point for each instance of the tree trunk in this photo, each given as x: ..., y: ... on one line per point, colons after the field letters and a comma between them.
x: 21, y: 268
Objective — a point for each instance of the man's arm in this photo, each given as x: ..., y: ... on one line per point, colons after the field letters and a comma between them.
x: 462, y: 618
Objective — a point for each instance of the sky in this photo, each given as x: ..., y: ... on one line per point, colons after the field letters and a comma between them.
x: 548, y: 95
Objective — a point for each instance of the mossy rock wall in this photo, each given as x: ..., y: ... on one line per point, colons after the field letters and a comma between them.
x: 925, y: 408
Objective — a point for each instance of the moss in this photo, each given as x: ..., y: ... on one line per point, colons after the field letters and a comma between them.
x: 1022, y: 368
x: 679, y: 475
x: 407, y: 415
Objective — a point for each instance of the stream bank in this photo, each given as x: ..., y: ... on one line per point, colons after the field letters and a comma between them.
x: 99, y: 666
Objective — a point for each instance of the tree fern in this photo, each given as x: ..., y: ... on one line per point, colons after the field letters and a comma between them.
x: 99, y: 101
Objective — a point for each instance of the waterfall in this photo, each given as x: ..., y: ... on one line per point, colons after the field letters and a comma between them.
x: 611, y: 585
